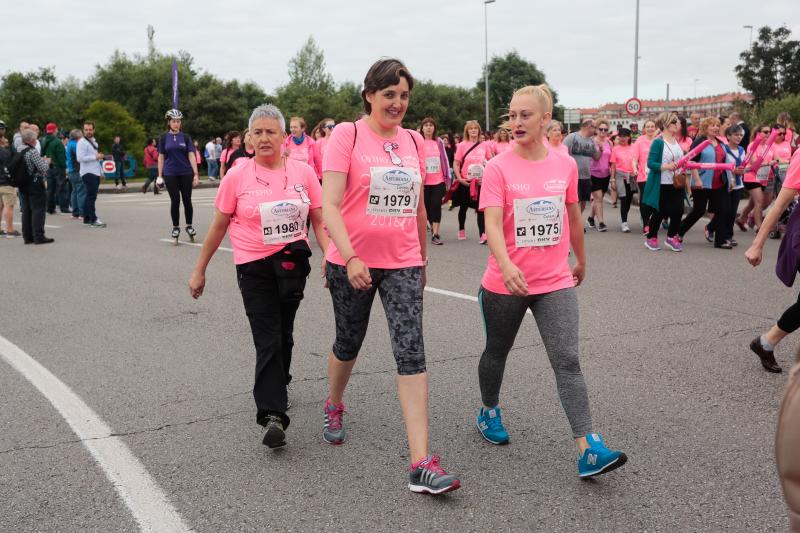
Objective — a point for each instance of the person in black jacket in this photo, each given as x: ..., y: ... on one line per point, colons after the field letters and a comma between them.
x: 736, y: 120
x: 118, y: 153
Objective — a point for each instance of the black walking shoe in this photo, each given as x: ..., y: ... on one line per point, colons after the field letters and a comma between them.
x: 46, y: 240
x: 767, y: 356
x: 274, y: 435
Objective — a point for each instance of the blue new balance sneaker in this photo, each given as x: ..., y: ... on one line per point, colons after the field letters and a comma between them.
x: 598, y: 459
x: 491, y: 426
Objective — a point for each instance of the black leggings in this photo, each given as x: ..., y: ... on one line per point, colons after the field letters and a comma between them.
x: 790, y: 319
x: 626, y: 203
x: 180, y: 187
x: 670, y: 204
x: 462, y: 219
x: 433, y: 202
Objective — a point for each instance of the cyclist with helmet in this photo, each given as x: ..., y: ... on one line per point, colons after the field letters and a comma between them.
x: 177, y: 165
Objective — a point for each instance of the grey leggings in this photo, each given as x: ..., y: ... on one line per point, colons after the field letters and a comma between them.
x: 556, y: 315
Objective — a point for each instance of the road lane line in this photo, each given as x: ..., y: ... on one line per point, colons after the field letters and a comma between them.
x: 433, y: 290
x: 47, y: 226
x: 198, y: 244
x: 150, y: 507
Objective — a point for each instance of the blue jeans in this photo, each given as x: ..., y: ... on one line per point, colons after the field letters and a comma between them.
x: 213, y: 168
x: 78, y: 193
x: 119, y: 173
x: 91, y: 183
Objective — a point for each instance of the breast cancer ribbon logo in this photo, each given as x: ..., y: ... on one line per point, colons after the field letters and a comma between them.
x: 390, y: 147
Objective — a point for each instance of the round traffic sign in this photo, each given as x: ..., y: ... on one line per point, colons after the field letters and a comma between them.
x: 109, y: 167
x: 633, y: 106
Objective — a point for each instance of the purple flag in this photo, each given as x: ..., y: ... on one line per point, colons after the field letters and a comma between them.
x: 174, y: 85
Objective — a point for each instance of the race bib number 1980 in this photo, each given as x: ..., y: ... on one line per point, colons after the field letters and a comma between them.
x: 283, y: 221
x: 394, y: 191
x: 538, y: 221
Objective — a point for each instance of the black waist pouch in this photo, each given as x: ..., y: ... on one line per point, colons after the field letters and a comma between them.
x: 291, y: 268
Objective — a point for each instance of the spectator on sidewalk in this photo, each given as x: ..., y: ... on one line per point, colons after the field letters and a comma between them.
x: 89, y: 157
x: 8, y: 193
x: 33, y: 198
x: 78, y: 194
x: 57, y: 187
x: 213, y: 160
x: 118, y: 153
x: 151, y: 164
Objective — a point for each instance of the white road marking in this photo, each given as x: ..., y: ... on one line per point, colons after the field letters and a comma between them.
x: 148, y: 504
x: 47, y: 226
x: 434, y: 290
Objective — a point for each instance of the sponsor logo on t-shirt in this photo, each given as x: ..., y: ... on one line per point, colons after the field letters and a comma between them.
x: 541, y: 207
x: 397, y: 177
x: 556, y: 185
x: 284, y: 209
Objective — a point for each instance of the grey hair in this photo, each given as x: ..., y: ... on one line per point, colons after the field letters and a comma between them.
x: 28, y: 135
x: 554, y: 124
x: 75, y: 134
x: 267, y: 111
x: 733, y: 130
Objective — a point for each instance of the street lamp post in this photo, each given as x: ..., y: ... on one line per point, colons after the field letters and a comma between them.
x: 695, y: 86
x: 750, y: 27
x: 486, y: 64
x: 636, y: 56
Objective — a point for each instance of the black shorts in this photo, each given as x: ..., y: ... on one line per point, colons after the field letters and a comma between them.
x: 750, y: 185
x: 584, y: 190
x: 400, y: 291
x: 600, y: 184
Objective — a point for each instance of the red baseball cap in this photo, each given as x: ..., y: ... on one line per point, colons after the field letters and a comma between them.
x: 51, y: 127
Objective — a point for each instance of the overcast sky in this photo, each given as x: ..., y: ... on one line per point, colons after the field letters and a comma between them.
x: 584, y: 47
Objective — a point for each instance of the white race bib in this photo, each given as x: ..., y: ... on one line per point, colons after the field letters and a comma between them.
x: 538, y: 221
x: 475, y: 172
x: 433, y: 165
x: 283, y: 221
x: 394, y: 191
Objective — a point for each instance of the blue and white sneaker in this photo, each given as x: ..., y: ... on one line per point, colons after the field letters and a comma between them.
x: 598, y: 459
x: 490, y: 424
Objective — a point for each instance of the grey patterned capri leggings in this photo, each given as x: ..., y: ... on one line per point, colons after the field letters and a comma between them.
x: 401, y: 294
x: 556, y: 315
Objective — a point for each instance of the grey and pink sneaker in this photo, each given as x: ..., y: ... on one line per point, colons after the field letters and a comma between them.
x: 652, y: 244
x: 674, y: 243
x: 427, y: 476
x: 333, y: 431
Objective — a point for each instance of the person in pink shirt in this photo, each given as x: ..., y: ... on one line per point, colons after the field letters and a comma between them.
x: 233, y: 141
x: 533, y: 217
x: 471, y: 156
x: 600, y: 170
x: 437, y: 176
x: 764, y: 345
x: 300, y: 146
x: 622, y: 175
x: 555, y: 134
x: 323, y: 129
x: 501, y: 142
x: 756, y: 181
x: 374, y: 209
x: 641, y: 152
x: 263, y: 204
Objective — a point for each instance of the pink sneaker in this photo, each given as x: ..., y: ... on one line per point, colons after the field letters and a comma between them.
x: 483, y: 239
x: 652, y: 244
x: 674, y: 243
x: 462, y: 235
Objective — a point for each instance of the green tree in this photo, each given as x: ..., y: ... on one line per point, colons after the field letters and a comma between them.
x: 771, y: 67
x: 429, y: 99
x: 30, y: 97
x: 112, y: 119
x: 310, y: 90
x: 507, y: 74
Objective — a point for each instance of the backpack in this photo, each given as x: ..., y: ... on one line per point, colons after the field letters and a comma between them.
x: 73, y: 155
x: 17, y: 170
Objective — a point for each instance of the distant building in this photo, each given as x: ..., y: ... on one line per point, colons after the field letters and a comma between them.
x: 721, y: 104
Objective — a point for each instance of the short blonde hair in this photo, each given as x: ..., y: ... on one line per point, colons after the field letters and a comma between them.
x: 553, y: 125
x: 301, y: 120
x: 707, y: 123
x: 665, y: 119
x: 541, y: 93
x: 602, y: 121
x: 472, y: 124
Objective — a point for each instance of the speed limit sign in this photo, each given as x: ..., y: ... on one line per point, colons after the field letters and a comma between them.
x: 633, y: 106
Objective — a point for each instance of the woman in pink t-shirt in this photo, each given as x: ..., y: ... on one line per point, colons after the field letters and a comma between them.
x: 375, y: 212
x: 764, y: 345
x: 299, y: 145
x: 640, y: 154
x: 263, y: 203
x: 233, y: 141
x: 471, y: 156
x: 501, y: 142
x: 437, y: 176
x: 622, y: 174
x: 323, y: 129
x: 555, y: 136
x: 756, y: 181
x: 530, y: 196
x: 600, y: 170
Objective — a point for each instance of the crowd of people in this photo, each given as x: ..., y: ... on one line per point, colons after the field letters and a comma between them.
x: 374, y: 191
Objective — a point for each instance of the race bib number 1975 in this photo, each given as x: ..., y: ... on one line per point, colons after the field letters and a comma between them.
x: 538, y: 221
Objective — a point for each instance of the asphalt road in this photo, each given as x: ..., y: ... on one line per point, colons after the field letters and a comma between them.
x: 663, y: 345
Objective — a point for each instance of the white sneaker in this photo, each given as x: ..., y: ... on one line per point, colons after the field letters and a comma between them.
x: 625, y: 228
x: 118, y: 186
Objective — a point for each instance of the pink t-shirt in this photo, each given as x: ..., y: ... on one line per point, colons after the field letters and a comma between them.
x: 782, y: 151
x: 750, y: 177
x: 433, y: 163
x: 476, y: 159
x: 379, y: 241
x: 509, y: 177
x: 640, y: 154
x: 600, y: 168
x: 498, y: 147
x: 246, y: 187
x: 686, y: 143
x: 622, y: 156
x: 561, y: 148
x: 792, y: 180
x: 303, y: 152
x: 319, y: 152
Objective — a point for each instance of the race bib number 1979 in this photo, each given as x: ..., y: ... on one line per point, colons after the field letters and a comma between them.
x: 538, y: 221
x: 394, y: 191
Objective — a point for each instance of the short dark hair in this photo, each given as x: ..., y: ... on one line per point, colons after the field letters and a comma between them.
x: 384, y: 73
x: 88, y: 123
x: 428, y: 120
x: 624, y: 132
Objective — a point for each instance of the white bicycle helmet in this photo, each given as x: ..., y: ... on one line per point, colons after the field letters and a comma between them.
x: 174, y: 113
